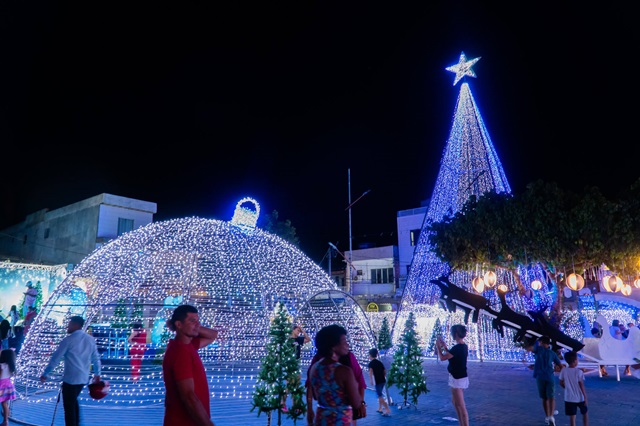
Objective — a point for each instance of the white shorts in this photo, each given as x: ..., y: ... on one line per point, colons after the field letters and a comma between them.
x: 458, y: 383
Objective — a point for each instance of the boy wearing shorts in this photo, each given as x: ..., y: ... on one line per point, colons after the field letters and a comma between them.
x: 575, y: 394
x: 378, y: 376
x: 543, y: 372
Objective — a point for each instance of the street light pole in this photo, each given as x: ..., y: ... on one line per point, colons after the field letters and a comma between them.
x: 350, y: 234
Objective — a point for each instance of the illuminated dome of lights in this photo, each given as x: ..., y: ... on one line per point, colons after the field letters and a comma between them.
x: 233, y: 272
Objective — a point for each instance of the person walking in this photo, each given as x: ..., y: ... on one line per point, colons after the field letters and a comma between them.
x: 78, y: 351
x: 7, y: 388
x: 185, y: 380
x: 137, y: 347
x: 14, y: 317
x: 575, y: 394
x: 457, y: 368
x: 333, y: 384
x: 543, y: 372
x: 378, y: 377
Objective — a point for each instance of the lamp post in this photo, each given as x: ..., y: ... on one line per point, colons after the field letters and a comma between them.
x: 350, y: 266
x: 350, y: 234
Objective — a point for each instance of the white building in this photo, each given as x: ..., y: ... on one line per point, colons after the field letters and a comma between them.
x: 70, y: 233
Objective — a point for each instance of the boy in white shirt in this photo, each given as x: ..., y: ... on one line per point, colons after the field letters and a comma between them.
x: 575, y: 394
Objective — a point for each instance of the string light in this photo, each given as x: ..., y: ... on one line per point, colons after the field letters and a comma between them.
x: 233, y: 272
x: 470, y: 166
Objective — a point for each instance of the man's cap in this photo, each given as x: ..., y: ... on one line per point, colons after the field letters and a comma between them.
x: 29, y: 284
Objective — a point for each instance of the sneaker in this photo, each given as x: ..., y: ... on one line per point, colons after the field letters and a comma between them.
x: 552, y: 421
x: 546, y: 420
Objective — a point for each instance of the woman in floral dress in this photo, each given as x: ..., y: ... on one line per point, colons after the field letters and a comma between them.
x: 333, y: 384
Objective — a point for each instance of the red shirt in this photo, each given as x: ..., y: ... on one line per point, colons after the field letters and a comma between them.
x: 182, y: 361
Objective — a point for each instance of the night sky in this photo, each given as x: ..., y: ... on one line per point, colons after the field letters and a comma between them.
x: 198, y: 104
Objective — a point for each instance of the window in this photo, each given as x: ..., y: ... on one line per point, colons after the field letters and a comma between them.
x: 382, y: 276
x: 414, y: 234
x: 46, y: 233
x: 124, y: 225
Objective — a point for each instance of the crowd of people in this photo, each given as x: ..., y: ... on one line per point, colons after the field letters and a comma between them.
x: 335, y: 381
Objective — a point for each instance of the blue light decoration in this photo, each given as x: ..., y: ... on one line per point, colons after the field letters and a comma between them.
x: 469, y: 166
x: 232, y: 271
x: 14, y: 277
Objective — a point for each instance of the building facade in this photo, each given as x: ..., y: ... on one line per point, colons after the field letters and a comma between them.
x: 68, y: 234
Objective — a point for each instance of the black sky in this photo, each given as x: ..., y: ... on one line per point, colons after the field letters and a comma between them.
x: 194, y: 105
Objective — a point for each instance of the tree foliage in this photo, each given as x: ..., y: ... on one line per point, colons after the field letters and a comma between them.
x: 384, y: 337
x: 437, y: 331
x: 557, y: 229
x: 280, y: 375
x: 406, y: 371
x: 282, y: 229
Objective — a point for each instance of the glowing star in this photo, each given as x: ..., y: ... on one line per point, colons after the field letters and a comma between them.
x: 463, y: 68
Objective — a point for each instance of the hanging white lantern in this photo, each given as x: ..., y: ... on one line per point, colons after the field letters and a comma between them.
x: 626, y: 289
x: 614, y: 284
x: 536, y: 284
x: 490, y: 279
x: 575, y: 282
x: 478, y: 284
x: 636, y: 283
x: 502, y: 288
x: 605, y: 283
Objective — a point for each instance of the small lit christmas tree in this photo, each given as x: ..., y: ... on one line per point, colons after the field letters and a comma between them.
x: 406, y: 371
x: 437, y: 331
x: 120, y: 319
x: 280, y: 375
x: 384, y: 337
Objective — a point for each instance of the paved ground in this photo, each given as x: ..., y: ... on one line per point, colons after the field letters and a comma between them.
x: 499, y: 394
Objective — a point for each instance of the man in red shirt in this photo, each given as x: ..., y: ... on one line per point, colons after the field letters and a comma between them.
x: 185, y: 381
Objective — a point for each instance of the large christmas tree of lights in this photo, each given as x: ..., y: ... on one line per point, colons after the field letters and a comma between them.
x: 233, y: 272
x: 469, y: 166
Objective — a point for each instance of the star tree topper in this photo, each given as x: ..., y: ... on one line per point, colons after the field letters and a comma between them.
x: 463, y: 68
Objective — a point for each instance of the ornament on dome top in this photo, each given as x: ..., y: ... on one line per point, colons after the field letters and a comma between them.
x: 246, y: 213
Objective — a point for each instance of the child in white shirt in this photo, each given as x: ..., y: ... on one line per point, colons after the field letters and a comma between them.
x: 575, y: 394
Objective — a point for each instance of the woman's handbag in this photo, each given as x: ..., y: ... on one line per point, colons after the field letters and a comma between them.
x: 360, y: 412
